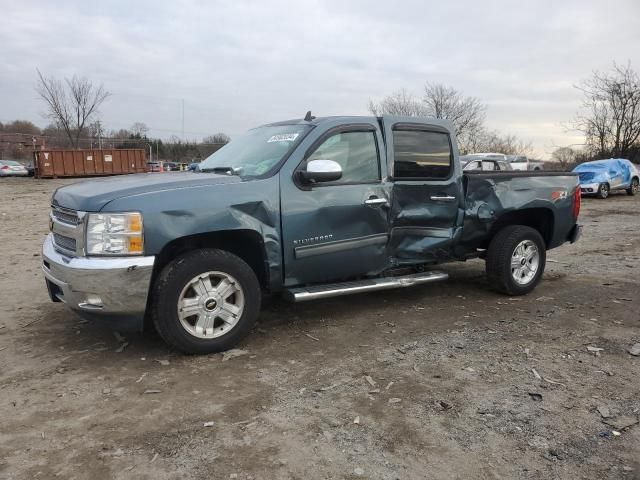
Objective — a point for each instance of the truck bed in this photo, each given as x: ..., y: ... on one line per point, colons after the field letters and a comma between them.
x: 496, y: 197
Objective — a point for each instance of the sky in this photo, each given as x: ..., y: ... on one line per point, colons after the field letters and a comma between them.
x: 236, y: 64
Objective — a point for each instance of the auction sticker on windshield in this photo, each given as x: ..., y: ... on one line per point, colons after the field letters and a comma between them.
x: 283, y: 137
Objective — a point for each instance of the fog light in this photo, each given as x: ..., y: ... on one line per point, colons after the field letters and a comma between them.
x: 94, y: 300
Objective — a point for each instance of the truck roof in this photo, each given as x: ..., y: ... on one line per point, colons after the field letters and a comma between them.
x: 358, y: 118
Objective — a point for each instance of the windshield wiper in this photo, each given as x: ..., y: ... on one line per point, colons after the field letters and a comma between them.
x: 227, y: 170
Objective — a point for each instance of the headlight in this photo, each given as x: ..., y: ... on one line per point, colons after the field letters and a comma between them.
x: 114, y: 234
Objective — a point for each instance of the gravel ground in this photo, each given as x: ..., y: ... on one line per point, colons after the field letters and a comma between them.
x: 446, y: 381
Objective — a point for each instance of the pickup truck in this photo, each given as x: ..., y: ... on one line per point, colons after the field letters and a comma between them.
x: 520, y: 162
x: 310, y: 209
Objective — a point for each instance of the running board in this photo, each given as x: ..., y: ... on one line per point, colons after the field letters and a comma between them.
x: 316, y: 292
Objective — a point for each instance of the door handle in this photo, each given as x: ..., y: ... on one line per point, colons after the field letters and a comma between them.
x: 443, y: 198
x: 375, y: 201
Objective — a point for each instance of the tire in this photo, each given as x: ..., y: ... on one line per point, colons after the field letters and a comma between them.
x: 634, y: 188
x: 223, y: 313
x: 603, y: 191
x: 501, y: 272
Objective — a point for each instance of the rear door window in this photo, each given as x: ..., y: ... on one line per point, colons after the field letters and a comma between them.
x: 421, y: 154
x: 488, y: 166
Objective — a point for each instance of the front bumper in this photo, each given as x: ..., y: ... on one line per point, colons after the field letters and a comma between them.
x: 112, y: 289
x: 589, y: 188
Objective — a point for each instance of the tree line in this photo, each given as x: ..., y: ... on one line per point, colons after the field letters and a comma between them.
x: 609, y: 118
x: 17, y: 143
x: 72, y: 106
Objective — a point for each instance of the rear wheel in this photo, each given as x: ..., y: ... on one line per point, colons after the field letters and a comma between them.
x: 205, y: 301
x: 634, y: 188
x: 515, y: 260
x: 603, y: 190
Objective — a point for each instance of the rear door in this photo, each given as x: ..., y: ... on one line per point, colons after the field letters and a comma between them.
x: 426, y: 211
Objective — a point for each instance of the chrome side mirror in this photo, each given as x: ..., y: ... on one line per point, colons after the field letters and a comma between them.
x: 321, y: 171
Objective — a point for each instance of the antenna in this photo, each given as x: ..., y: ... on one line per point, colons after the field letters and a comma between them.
x: 308, y: 117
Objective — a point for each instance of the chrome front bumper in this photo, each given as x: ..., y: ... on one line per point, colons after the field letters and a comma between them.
x: 108, y: 288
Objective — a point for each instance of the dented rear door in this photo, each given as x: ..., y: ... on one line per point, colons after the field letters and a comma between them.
x: 426, y: 211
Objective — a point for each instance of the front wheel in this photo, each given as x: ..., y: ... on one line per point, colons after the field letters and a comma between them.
x: 603, y: 190
x: 634, y: 188
x: 205, y: 301
x: 515, y: 260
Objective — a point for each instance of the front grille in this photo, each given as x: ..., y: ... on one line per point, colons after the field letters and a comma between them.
x: 65, y: 216
x: 66, y: 243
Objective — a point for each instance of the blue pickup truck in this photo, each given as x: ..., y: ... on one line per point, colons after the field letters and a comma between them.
x: 308, y: 208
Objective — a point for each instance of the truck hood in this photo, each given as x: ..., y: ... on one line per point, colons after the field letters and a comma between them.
x: 93, y: 195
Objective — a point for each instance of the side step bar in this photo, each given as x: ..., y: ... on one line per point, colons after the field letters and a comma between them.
x: 316, y: 292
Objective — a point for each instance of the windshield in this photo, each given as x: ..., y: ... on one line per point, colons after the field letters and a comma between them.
x: 257, y: 151
x: 9, y: 162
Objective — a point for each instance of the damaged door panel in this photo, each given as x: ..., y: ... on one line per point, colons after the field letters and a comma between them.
x: 427, y: 195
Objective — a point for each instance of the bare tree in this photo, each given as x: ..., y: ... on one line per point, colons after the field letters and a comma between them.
x: 217, y: 138
x: 565, y: 156
x: 22, y: 126
x: 492, y: 141
x: 467, y: 114
x: 610, y: 115
x: 139, y: 128
x: 71, y: 104
x: 399, y: 103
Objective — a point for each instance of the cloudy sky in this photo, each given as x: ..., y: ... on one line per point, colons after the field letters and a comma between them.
x: 237, y: 64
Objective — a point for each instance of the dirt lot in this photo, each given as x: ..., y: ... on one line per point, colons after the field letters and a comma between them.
x: 435, y: 382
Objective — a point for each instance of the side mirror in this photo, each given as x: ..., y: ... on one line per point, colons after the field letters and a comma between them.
x: 321, y: 171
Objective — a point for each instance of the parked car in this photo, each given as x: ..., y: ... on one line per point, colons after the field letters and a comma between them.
x: 11, y: 168
x: 154, y: 166
x: 601, y: 177
x: 521, y: 162
x: 471, y: 163
x: 310, y: 209
x: 194, y: 167
x: 484, y: 156
x: 170, y: 166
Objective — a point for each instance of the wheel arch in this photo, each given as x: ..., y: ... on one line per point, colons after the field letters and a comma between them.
x: 245, y: 243
x: 539, y: 218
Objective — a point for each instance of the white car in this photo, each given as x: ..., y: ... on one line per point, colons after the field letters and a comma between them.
x: 484, y: 165
x: 11, y: 168
x: 520, y: 162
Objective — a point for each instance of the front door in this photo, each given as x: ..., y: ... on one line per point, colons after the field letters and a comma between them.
x: 426, y: 213
x: 337, y: 230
